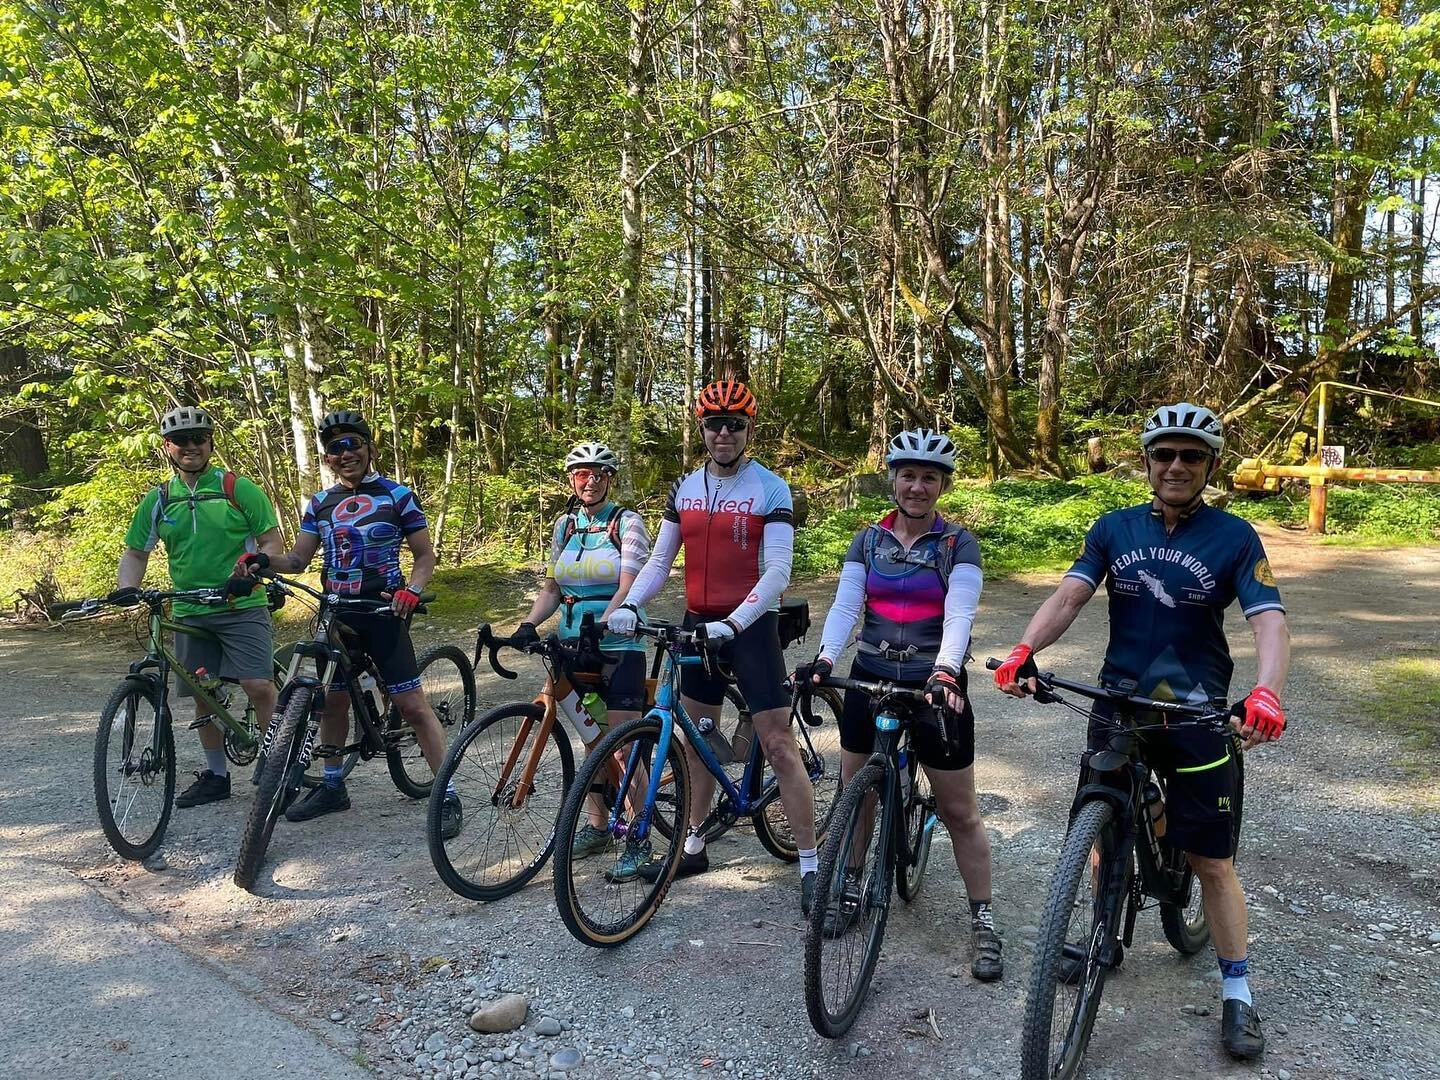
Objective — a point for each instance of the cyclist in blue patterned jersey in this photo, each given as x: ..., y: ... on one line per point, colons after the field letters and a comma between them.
x: 596, y: 549
x: 360, y: 524
x: 1171, y: 568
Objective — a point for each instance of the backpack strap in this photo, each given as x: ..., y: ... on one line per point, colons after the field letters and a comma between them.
x: 227, y: 486
x: 612, y: 528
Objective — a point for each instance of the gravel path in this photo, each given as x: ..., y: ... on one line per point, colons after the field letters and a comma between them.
x: 356, y: 942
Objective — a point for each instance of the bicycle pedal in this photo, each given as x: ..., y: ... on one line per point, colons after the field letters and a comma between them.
x: 325, y: 751
x: 196, y: 725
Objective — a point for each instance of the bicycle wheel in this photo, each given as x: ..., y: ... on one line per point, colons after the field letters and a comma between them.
x: 1074, y: 932
x: 842, y: 940
x: 281, y: 778
x: 134, y: 769
x: 505, y: 838
x: 919, y: 825
x: 602, y: 898
x: 449, y: 686
x: 820, y: 753
x: 1183, y: 921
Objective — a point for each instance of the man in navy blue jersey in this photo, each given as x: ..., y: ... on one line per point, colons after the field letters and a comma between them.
x: 1171, y: 568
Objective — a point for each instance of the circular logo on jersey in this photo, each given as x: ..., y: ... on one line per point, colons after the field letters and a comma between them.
x: 1263, y: 574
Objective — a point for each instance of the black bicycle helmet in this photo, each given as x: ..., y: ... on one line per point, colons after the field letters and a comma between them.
x: 341, y: 421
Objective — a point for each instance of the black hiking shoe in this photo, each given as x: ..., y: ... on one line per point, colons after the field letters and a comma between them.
x: 690, y: 865
x: 1072, y: 962
x: 1240, y: 1030
x: 207, y: 788
x: 844, y: 912
x: 321, y: 800
x: 987, y: 965
x: 452, y: 816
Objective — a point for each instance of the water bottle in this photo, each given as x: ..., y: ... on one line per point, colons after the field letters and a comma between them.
x: 574, y: 710
x: 904, y: 766
x: 719, y: 745
x: 367, y: 681
x: 596, y: 707
x: 1155, y: 802
x: 744, y: 738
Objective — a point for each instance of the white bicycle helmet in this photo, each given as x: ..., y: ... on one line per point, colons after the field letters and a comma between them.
x: 922, y: 447
x: 185, y: 418
x: 1183, y: 418
x: 592, y: 453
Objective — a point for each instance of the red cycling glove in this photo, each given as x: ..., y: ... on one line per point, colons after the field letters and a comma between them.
x: 1017, y: 666
x: 942, y: 679
x: 405, y: 601
x: 1263, y: 712
x: 257, y: 560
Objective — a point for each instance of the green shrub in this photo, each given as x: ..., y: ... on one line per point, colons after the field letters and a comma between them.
x: 1365, y: 513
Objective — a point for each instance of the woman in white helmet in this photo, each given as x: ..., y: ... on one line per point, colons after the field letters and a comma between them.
x: 596, y: 549
x: 915, y: 578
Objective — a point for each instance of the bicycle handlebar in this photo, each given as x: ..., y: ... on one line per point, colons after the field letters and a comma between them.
x: 90, y: 607
x: 550, y: 646
x: 363, y: 605
x: 1047, y: 682
x: 873, y: 689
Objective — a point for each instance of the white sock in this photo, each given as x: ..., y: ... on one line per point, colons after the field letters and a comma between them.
x: 809, y: 861
x: 693, y: 844
x: 1235, y: 979
x: 215, y: 762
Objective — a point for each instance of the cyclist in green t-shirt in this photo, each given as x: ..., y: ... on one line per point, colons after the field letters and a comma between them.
x: 207, y: 518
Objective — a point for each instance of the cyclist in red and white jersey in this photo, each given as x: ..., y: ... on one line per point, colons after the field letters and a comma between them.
x: 733, y: 516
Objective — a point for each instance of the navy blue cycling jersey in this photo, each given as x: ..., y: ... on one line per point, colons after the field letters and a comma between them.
x: 361, y: 530
x: 1168, y: 595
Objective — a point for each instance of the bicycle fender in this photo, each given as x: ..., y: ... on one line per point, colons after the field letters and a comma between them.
x: 1117, y: 798
x: 148, y: 679
x: 146, y: 664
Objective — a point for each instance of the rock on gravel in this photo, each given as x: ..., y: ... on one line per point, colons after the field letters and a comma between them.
x: 503, y: 1014
x: 548, y: 1026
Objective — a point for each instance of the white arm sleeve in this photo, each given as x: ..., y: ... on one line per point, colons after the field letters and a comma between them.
x: 634, y: 543
x: 777, y: 550
x: 844, y: 612
x: 656, y: 570
x: 962, y: 598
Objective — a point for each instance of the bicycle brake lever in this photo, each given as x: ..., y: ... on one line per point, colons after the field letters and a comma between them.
x: 485, y: 641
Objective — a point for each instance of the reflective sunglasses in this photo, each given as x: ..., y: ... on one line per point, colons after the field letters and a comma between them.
x: 338, y: 446
x: 725, y: 423
x: 188, y: 438
x: 1164, y: 455
x: 586, y: 475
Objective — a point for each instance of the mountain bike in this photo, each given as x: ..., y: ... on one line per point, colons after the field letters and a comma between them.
x: 602, y: 904
x: 1111, y: 863
x: 331, y: 655
x: 860, y: 860
x: 134, y: 761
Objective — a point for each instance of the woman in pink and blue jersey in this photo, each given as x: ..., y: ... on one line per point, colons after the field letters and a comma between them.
x: 915, y: 579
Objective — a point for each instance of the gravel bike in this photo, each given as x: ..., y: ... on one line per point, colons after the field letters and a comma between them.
x: 332, y: 656
x: 599, y: 904
x: 859, y: 861
x: 1112, y: 861
x: 134, y: 762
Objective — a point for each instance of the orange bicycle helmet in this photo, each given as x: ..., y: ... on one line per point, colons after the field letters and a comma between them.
x: 728, y: 397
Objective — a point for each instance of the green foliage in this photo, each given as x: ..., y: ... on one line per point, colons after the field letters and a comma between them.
x: 1368, y: 513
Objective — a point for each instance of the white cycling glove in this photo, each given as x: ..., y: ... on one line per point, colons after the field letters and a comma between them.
x: 623, y: 621
x: 719, y: 631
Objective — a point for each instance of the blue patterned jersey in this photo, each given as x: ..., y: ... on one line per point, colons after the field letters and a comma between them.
x: 1168, y: 595
x: 361, y: 530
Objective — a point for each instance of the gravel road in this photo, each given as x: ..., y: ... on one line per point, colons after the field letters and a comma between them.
x: 357, y: 958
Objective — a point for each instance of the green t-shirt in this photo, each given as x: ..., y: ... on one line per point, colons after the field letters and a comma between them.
x: 203, y: 534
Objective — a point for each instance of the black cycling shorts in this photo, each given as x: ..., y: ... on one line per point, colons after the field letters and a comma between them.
x: 386, y: 640
x: 622, y: 679
x: 857, y: 726
x: 1204, y: 774
x: 757, y: 660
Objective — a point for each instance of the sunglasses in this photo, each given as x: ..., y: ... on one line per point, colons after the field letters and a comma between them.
x: 347, y: 442
x: 1164, y: 455
x: 725, y: 423
x: 186, y: 438
x: 586, y: 475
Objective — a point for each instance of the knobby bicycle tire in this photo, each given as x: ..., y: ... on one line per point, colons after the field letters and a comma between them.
x: 850, y: 810
x: 1186, y: 935
x: 1096, y: 822
x: 280, y: 779
x: 408, y: 767
x: 772, y: 828
x: 484, y: 814
x: 646, y: 732
x: 138, y: 772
